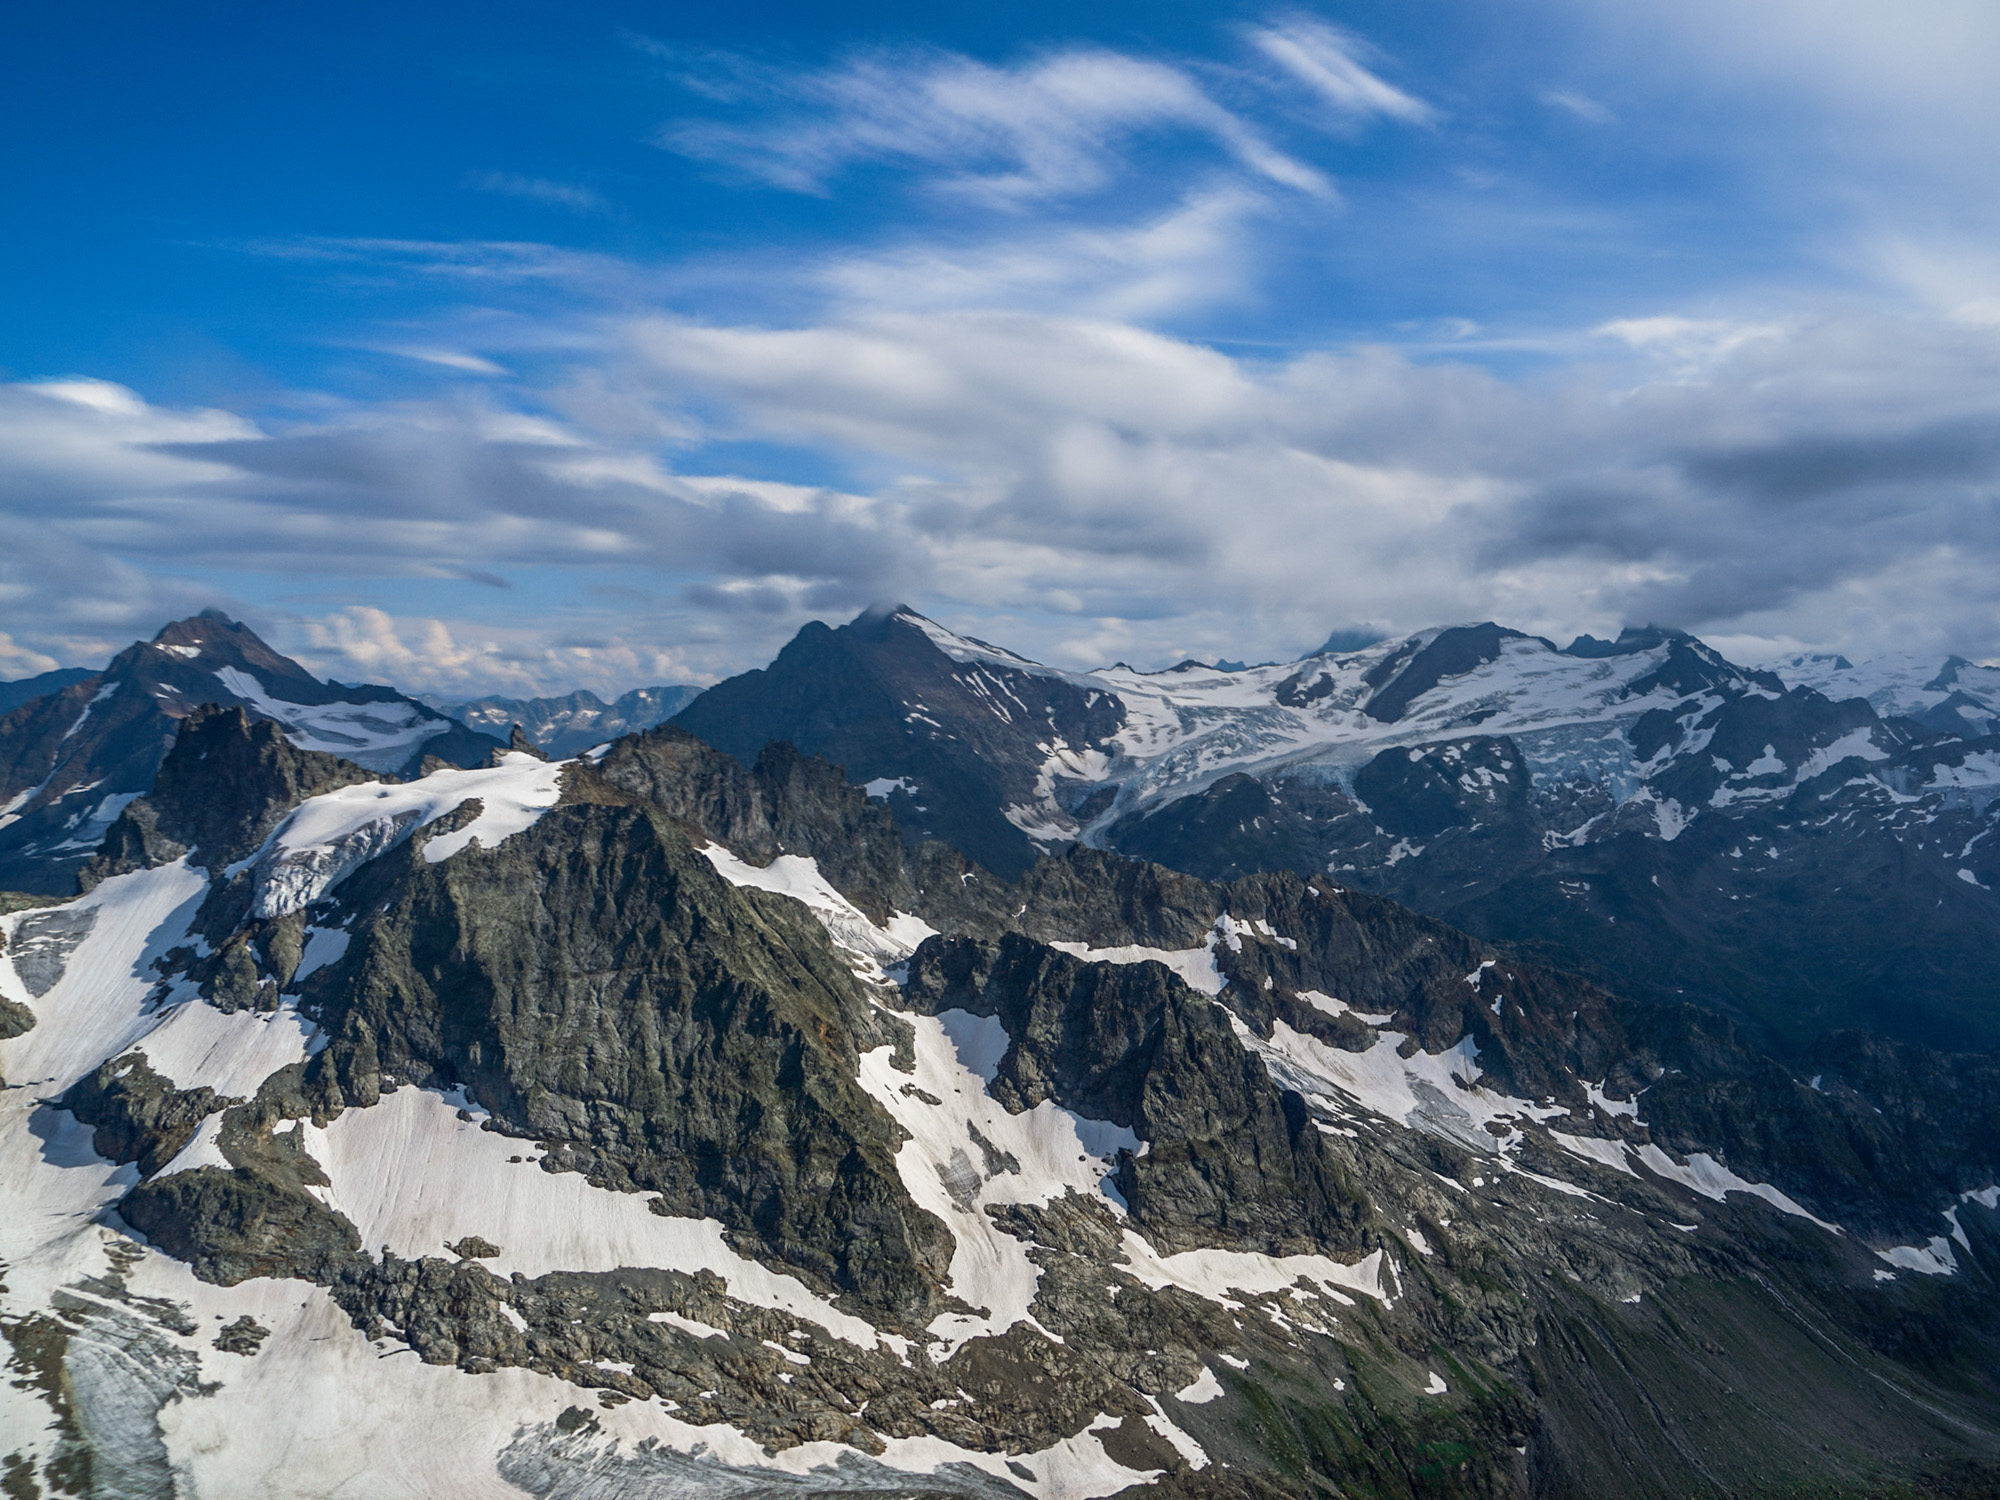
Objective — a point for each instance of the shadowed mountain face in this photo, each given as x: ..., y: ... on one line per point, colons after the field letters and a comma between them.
x: 966, y: 742
x: 71, y: 759
x: 1805, y: 852
x: 661, y: 1124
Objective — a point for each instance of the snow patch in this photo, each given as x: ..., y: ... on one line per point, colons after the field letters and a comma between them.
x: 1196, y: 966
x: 1705, y: 1175
x: 1033, y: 1157
x: 797, y: 876
x: 1435, y: 1092
x: 1214, y: 1274
x: 1933, y: 1259
x: 379, y: 735
x: 1203, y: 1390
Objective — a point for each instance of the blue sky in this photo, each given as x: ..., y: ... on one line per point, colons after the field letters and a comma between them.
x: 523, y: 346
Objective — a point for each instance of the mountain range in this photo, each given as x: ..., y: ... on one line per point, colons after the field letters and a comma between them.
x: 72, y: 758
x: 574, y: 722
x: 1804, y: 850
x: 918, y: 1071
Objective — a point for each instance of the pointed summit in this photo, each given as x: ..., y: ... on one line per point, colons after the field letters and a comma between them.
x: 215, y: 640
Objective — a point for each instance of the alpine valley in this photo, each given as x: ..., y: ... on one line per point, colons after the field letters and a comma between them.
x: 1454, y: 1066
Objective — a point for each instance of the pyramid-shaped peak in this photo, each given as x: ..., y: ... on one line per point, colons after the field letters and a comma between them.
x: 215, y: 640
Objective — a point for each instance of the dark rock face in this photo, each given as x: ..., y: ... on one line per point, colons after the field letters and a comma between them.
x: 880, y: 699
x: 1233, y: 1161
x: 245, y: 1336
x: 138, y: 1115
x: 228, y: 781
x: 787, y: 803
x: 1801, y: 910
x: 1834, y: 906
x: 596, y: 985
x: 85, y: 749
x: 235, y: 1225
x: 1240, y: 825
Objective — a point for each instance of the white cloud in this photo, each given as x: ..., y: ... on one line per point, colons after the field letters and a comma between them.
x: 568, y: 195
x: 470, y: 659
x: 1053, y: 128
x: 1582, y: 106
x: 1328, y: 61
x: 1081, y: 487
x: 451, y: 359
x: 18, y: 661
x: 1191, y: 257
x: 1688, y: 346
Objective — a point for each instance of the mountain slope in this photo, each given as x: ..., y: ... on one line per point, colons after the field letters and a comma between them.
x: 24, y: 689
x: 71, y: 760
x: 656, y: 1125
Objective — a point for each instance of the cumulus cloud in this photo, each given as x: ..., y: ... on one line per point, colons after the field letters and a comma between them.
x: 465, y: 659
x: 1077, y: 486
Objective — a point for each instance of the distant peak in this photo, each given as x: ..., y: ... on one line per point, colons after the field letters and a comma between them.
x: 198, y: 627
x: 216, y: 640
x: 1349, y: 639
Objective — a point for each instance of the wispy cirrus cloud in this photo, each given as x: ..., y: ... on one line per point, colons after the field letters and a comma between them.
x: 571, y: 195
x: 1582, y: 106
x: 1329, y: 61
x: 1049, y: 129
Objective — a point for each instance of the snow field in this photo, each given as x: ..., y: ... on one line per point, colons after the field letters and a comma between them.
x: 413, y: 1178
x: 95, y: 1010
x: 321, y: 1414
x: 231, y: 1052
x: 330, y: 836
x: 380, y: 736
